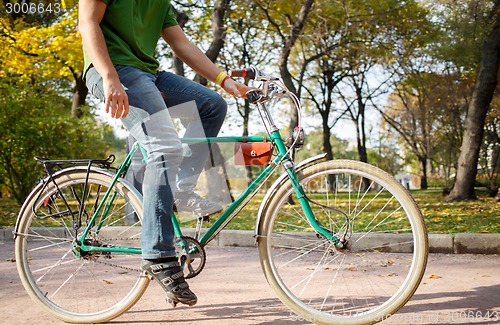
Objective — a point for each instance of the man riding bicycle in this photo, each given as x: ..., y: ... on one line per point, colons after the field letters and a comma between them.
x: 119, y: 39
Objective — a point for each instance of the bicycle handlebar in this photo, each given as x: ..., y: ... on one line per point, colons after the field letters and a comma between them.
x: 252, y: 73
x: 271, y: 89
x: 248, y: 73
x: 268, y: 89
x: 253, y: 96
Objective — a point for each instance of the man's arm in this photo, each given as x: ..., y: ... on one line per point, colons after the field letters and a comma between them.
x: 198, y: 61
x: 89, y: 17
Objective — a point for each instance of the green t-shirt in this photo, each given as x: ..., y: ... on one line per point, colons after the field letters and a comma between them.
x: 132, y: 28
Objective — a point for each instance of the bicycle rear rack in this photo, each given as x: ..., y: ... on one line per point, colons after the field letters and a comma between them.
x: 51, y: 167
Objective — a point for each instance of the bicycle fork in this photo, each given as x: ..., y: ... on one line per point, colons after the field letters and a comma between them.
x: 289, y: 167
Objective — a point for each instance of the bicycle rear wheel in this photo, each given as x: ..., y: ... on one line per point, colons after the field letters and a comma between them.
x: 362, y: 280
x: 96, y: 286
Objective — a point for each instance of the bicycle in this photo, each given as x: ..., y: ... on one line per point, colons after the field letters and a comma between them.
x: 321, y: 226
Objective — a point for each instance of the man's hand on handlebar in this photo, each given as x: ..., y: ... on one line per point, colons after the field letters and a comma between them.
x: 236, y: 89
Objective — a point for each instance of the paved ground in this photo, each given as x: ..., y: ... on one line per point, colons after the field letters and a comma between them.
x: 457, y: 289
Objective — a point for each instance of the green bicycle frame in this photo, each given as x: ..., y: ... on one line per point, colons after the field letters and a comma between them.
x: 106, y: 204
x: 232, y: 210
x: 282, y: 158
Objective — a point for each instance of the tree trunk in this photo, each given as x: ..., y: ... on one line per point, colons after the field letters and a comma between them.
x: 219, y: 33
x: 182, y: 19
x: 178, y: 66
x: 217, y: 177
x: 476, y: 115
x: 360, y: 123
x: 80, y: 92
x: 327, y: 146
x: 289, y: 42
x: 422, y: 162
x: 362, y: 152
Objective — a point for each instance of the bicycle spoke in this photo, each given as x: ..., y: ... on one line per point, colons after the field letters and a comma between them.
x: 361, y: 277
x: 66, y: 281
x: 49, y: 268
x: 78, y: 285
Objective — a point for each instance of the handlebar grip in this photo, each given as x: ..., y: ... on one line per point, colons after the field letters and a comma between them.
x: 253, y: 96
x: 248, y: 73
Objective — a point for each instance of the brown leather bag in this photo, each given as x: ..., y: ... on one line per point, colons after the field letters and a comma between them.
x: 252, y: 153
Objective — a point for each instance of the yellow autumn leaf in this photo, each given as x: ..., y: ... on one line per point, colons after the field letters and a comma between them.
x: 48, y: 52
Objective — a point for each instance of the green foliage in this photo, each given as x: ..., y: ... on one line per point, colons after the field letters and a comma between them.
x: 385, y: 155
x: 36, y: 121
x: 8, y: 212
x: 313, y: 145
x: 464, y: 25
x: 436, y: 181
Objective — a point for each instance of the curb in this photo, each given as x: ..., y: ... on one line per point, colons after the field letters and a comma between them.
x: 463, y: 243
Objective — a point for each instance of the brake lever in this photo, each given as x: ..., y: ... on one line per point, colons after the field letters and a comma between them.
x: 253, y: 96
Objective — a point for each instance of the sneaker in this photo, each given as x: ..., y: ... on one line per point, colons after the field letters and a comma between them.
x: 171, y: 279
x: 193, y: 203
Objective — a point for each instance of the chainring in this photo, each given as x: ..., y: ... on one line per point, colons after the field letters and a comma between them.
x: 191, y: 256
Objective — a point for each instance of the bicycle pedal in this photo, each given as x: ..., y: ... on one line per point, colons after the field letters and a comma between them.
x: 172, y: 302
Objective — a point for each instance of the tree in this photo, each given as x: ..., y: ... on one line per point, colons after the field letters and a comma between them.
x: 218, y: 33
x: 313, y: 146
x: 35, y: 122
x: 46, y: 49
x: 489, y: 159
x: 427, y: 111
x: 319, y: 58
x: 481, y: 98
x: 357, y: 105
x: 410, y: 115
x: 386, y: 153
x: 348, y: 44
x: 242, y: 51
x: 208, y: 28
x: 294, y: 17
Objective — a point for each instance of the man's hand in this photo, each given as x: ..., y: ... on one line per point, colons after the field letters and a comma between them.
x: 116, y: 98
x: 236, y: 89
x: 90, y: 15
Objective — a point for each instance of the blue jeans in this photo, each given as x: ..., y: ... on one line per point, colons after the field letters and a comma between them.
x: 154, y: 100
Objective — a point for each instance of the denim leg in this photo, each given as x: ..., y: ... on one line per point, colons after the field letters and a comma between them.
x: 202, y: 111
x: 149, y: 122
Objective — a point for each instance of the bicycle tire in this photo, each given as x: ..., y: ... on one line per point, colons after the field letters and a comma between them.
x: 377, y: 270
x: 95, y: 287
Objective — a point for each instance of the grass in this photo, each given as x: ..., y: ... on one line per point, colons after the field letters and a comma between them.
x: 471, y: 216
x: 477, y: 216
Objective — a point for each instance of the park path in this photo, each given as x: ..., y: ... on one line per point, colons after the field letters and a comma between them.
x: 456, y: 289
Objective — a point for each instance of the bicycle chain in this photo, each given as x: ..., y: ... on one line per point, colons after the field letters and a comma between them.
x: 97, y: 237
x: 105, y: 240
x: 117, y: 266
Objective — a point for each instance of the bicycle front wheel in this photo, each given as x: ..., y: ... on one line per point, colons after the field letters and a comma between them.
x: 375, y: 266
x: 89, y: 287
